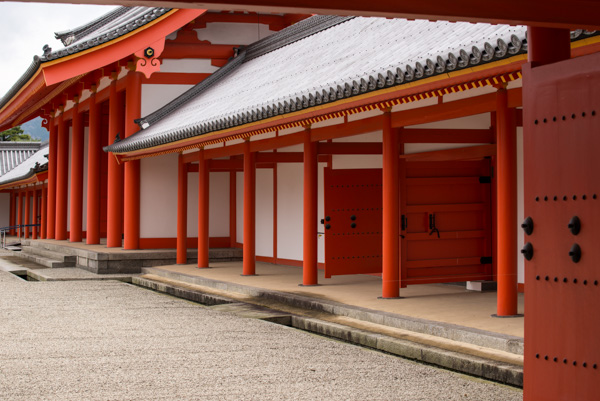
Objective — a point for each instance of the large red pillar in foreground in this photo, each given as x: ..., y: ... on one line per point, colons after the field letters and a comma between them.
x: 249, y: 251
x: 309, y: 254
x: 76, y: 205
x: 182, y: 192
x: 506, y: 142
x: 51, y: 204
x: 114, y: 212
x: 93, y: 173
x: 62, y: 179
x: 203, y: 210
x: 133, y: 110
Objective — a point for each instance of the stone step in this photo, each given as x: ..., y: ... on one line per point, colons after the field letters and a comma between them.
x: 51, y: 263
x: 489, y: 364
x: 53, y: 247
x: 48, y: 254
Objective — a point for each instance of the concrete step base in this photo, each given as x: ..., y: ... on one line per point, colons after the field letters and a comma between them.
x: 118, y: 261
x: 48, y: 254
x: 51, y: 263
x: 487, y: 364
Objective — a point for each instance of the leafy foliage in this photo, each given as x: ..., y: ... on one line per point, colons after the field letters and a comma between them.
x: 16, y: 134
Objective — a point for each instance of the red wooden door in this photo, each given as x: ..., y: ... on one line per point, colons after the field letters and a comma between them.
x: 352, y: 222
x: 562, y: 181
x: 446, y: 222
x: 446, y: 216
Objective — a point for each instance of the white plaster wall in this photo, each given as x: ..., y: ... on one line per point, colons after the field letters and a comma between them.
x: 156, y: 96
x: 290, y: 206
x: 411, y: 148
x: 218, y: 205
x: 358, y: 161
x: 188, y: 65
x: 158, y: 196
x: 264, y: 212
x: 290, y: 200
x: 4, y: 209
x: 227, y: 33
x: 478, y: 121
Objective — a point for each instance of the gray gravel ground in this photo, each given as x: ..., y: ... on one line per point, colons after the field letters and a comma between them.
x: 107, y: 340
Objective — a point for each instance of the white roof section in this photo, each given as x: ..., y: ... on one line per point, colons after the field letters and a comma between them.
x: 354, y: 56
x: 25, y: 169
x: 13, y: 154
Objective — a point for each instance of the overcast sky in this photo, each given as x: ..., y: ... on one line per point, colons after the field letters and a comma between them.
x: 26, y: 27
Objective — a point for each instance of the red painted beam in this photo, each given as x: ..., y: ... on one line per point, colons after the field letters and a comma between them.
x: 552, y: 14
x: 468, y: 153
x: 196, y: 50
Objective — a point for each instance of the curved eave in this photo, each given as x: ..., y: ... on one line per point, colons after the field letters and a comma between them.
x: 60, y: 70
x: 30, y: 178
x: 438, y: 82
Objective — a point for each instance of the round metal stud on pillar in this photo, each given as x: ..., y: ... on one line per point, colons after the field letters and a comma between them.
x: 249, y: 249
x: 51, y: 201
x: 309, y: 255
x: 203, y: 209
x: 62, y: 178
x: 76, y: 204
x: 390, y: 230
x: 506, y: 142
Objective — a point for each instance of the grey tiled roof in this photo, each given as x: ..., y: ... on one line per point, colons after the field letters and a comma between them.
x: 38, y: 161
x: 13, y: 154
x: 112, y: 25
x: 323, y: 59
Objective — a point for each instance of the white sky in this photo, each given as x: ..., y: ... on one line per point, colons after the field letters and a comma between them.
x: 26, y: 27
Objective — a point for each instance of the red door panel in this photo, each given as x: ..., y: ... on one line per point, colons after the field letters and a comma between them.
x: 562, y: 180
x: 353, y: 224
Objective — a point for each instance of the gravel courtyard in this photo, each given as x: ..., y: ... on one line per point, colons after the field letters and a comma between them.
x: 107, y: 340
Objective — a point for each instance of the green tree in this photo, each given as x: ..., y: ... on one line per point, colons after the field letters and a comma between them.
x: 16, y: 134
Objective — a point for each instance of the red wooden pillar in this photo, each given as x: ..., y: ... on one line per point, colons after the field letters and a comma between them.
x: 182, y: 195
x: 44, y: 213
x: 20, y: 213
x: 249, y: 250
x: 133, y: 109
x: 93, y: 182
x: 390, y: 234
x: 309, y: 254
x: 27, y: 212
x: 203, y: 210
x: 34, y: 229
x: 62, y: 179
x: 76, y: 205
x: 11, y: 215
x: 51, y: 203
x: 114, y: 225
x: 232, y: 208
x: 506, y: 142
